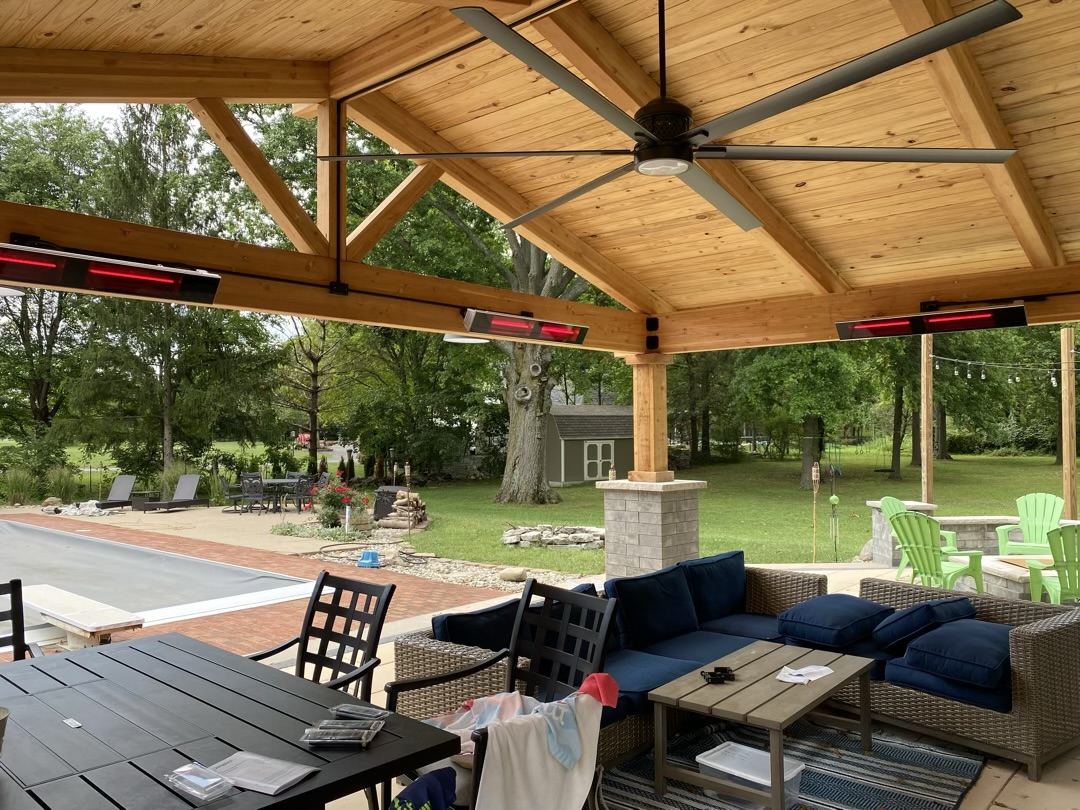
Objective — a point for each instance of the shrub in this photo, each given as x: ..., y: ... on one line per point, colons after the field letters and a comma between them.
x: 330, y: 501
x: 19, y: 485
x: 63, y: 484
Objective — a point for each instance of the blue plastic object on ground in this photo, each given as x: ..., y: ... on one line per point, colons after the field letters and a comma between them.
x: 368, y: 559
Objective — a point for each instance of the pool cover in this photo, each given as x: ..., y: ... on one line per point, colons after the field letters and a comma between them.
x: 157, y: 585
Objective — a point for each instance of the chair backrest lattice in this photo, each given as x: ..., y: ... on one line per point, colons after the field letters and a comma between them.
x: 1039, y: 513
x: 13, y: 613
x: 121, y: 488
x: 342, y: 628
x: 563, y: 634
x: 919, y: 536
x: 187, y: 487
x: 1064, y: 544
x: 251, y: 485
x: 304, y: 485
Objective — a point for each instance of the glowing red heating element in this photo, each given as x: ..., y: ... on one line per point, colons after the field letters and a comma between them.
x: 931, y: 323
x: 521, y: 327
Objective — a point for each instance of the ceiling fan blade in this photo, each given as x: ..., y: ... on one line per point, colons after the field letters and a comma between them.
x: 701, y: 182
x: 516, y: 45
x: 867, y: 154
x: 570, y: 195
x: 474, y: 155
x: 951, y: 32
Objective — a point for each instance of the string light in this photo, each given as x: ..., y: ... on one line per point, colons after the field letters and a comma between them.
x: 956, y: 371
x: 937, y: 365
x: 1010, y: 381
x: 982, y: 373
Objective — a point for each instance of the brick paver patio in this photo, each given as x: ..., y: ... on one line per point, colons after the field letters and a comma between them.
x: 253, y: 629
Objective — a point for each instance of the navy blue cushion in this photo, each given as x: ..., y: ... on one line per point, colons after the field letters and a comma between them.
x: 717, y: 584
x: 753, y: 625
x: 906, y: 625
x: 652, y: 607
x: 699, y: 646
x: 998, y: 699
x: 967, y: 650
x: 637, y: 673
x: 489, y: 628
x: 834, y: 620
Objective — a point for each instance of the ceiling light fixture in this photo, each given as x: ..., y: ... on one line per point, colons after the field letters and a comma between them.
x: 450, y: 337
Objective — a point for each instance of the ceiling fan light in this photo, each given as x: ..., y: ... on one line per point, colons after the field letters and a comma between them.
x: 662, y: 166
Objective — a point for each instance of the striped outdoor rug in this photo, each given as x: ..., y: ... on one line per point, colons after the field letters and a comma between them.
x: 899, y: 775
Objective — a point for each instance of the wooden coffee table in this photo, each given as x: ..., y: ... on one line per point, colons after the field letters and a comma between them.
x: 756, y: 698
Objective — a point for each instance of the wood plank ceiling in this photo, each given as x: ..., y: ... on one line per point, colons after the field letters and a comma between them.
x: 831, y: 227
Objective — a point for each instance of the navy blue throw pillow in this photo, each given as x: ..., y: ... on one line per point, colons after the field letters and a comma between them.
x: 652, y: 607
x: 908, y: 624
x: 833, y: 620
x: 717, y: 585
x: 490, y: 628
x: 967, y: 650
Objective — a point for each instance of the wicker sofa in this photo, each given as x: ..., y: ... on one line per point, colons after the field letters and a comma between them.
x: 417, y: 655
x: 1044, y: 650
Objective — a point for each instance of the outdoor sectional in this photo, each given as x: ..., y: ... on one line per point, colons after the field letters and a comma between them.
x: 673, y: 621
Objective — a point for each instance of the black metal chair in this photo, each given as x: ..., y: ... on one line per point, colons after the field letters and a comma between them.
x: 231, y: 493
x: 301, y: 493
x: 562, y: 633
x: 20, y: 649
x: 252, y: 496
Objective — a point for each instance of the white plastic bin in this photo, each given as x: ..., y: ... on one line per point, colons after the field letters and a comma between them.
x: 750, y: 768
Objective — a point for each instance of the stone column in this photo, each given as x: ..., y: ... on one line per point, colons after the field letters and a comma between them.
x: 883, y: 543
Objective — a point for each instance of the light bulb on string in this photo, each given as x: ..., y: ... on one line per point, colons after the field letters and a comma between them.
x: 969, y: 371
x: 982, y: 373
x: 1017, y: 377
x: 956, y: 371
x: 1010, y: 380
x: 937, y: 365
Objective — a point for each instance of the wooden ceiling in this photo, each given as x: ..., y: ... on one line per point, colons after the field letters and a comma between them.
x: 839, y: 239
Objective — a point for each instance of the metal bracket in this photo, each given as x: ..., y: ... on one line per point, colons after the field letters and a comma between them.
x: 339, y: 288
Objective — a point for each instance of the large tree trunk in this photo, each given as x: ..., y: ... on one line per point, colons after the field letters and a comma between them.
x: 706, y: 427
x: 898, y: 430
x: 941, y: 451
x: 916, y: 438
x: 693, y: 435
x: 313, y: 419
x: 528, y: 398
x: 813, y: 428
x: 168, y: 400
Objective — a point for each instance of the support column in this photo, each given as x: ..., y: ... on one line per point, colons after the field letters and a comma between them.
x: 926, y: 418
x: 650, y: 519
x: 1068, y: 421
x: 330, y: 176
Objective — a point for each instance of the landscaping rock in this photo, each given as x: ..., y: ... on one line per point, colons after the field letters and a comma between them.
x: 513, y: 575
x: 867, y: 553
x: 574, y: 537
x: 51, y: 502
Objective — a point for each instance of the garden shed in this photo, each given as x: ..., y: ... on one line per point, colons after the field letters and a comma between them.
x: 585, y: 441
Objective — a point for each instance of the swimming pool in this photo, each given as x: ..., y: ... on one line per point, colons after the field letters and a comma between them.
x: 160, y: 586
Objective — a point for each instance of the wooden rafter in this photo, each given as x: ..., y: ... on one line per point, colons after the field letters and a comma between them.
x: 802, y: 319
x: 246, y: 157
x: 604, y: 62
x: 273, y: 280
x: 36, y: 75
x: 494, y: 6
x: 378, y: 114
x: 390, y: 211
x: 962, y: 87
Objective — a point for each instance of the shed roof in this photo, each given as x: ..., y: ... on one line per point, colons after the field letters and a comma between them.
x: 594, y: 421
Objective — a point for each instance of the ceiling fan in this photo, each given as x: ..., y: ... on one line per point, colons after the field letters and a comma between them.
x: 667, y: 144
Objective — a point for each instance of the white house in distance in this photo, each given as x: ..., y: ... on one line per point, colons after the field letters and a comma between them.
x: 585, y: 441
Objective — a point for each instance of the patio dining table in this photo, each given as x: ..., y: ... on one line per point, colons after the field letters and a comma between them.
x: 142, y: 708
x: 278, y: 488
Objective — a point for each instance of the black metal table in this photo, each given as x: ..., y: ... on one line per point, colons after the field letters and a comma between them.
x: 278, y: 488
x: 150, y: 705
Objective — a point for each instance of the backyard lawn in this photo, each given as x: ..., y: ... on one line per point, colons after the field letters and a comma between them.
x: 754, y: 505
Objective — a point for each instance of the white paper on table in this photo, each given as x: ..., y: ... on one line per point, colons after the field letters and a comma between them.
x: 804, y: 675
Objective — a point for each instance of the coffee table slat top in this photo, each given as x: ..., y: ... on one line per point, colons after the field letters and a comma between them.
x: 755, y: 696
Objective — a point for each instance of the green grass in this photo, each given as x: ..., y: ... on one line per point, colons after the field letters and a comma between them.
x: 754, y: 505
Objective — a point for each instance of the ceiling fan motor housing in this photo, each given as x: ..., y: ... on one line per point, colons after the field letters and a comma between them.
x: 665, y: 118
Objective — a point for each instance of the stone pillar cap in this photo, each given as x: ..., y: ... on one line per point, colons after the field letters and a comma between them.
x: 652, y: 486
x: 913, y: 506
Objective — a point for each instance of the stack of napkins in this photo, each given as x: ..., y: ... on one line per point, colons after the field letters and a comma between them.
x: 804, y: 675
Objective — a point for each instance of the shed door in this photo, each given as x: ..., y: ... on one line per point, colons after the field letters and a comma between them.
x: 599, y: 457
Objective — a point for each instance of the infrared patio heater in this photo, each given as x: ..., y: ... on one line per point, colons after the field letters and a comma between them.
x: 933, y: 323
x: 61, y: 269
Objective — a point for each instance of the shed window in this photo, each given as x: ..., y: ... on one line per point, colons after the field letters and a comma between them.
x: 599, y: 457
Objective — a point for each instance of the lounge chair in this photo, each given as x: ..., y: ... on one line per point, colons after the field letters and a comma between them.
x: 184, y: 495
x: 119, y: 494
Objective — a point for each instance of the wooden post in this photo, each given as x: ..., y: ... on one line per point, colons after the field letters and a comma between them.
x: 926, y: 418
x: 650, y: 417
x: 1068, y: 421
x: 330, y: 177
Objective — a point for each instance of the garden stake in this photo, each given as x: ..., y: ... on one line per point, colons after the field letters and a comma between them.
x: 815, y: 476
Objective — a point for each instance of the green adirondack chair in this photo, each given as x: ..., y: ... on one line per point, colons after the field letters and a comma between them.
x: 920, y: 538
x: 1064, y: 543
x: 1039, y: 513
x: 894, y: 506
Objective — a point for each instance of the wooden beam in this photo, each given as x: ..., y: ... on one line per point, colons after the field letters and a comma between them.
x: 390, y: 211
x: 1068, y: 420
x: 802, y: 319
x: 249, y: 161
x: 606, y: 64
x: 494, y: 6
x: 47, y: 76
x: 272, y: 280
x: 424, y: 38
x: 650, y: 417
x: 963, y: 88
x: 378, y: 114
x: 926, y: 418
x: 330, y: 176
